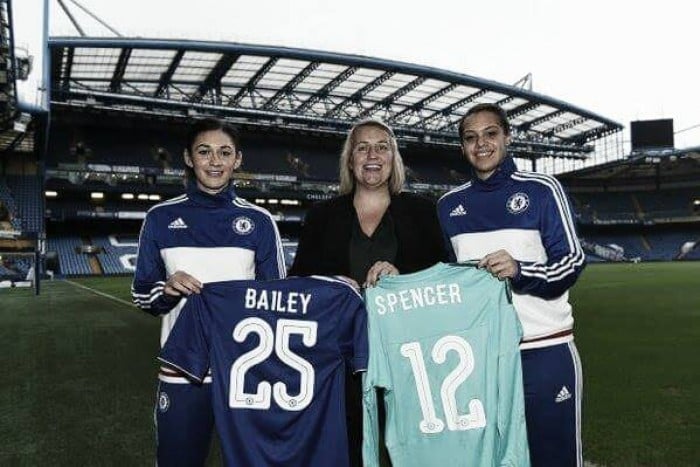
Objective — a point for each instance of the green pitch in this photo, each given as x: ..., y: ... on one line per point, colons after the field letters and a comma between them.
x: 638, y: 332
x: 79, y: 370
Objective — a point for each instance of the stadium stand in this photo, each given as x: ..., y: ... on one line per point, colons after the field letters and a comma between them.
x: 649, y: 205
x: 667, y: 203
x: 632, y: 245
x: 667, y: 245
x: 114, y: 256
x: 435, y: 167
x: 71, y: 262
x: 635, y: 206
x: 9, y: 207
x: 21, y: 193
x: 81, y: 144
x: 14, y: 269
x: 606, y: 207
x: 657, y: 243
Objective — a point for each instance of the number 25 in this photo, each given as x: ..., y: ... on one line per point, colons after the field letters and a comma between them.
x: 279, y: 342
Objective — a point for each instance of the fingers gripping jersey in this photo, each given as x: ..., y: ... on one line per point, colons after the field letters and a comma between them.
x: 444, y: 346
x: 278, y: 351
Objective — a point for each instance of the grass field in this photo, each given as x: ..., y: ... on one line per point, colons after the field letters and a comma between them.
x: 79, y: 371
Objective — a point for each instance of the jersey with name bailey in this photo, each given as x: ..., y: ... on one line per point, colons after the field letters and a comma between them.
x: 528, y: 215
x: 444, y: 347
x: 212, y: 238
x: 278, y: 352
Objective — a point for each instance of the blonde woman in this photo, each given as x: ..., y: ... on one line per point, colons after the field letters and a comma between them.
x: 371, y: 229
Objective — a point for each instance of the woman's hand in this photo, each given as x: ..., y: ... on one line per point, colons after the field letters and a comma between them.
x: 180, y: 283
x: 379, y: 269
x: 500, y: 264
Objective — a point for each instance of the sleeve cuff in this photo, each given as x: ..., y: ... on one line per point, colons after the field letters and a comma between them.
x: 359, y: 363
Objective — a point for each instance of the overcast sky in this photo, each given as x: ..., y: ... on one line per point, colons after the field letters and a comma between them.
x: 623, y: 60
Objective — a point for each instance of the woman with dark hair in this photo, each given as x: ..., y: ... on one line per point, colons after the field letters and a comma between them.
x: 371, y: 229
x: 206, y: 235
x: 519, y: 226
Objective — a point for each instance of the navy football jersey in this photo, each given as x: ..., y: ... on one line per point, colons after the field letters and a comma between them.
x: 278, y: 352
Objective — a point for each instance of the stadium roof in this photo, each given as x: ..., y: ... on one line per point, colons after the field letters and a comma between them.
x: 305, y: 89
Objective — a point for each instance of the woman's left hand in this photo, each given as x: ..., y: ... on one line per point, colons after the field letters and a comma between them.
x: 500, y: 264
x: 379, y: 269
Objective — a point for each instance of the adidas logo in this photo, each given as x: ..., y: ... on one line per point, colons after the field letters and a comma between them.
x: 458, y: 211
x: 177, y: 224
x: 563, y: 395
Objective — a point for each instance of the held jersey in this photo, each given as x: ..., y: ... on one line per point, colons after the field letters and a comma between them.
x: 212, y: 238
x: 528, y: 215
x: 278, y: 352
x: 444, y: 347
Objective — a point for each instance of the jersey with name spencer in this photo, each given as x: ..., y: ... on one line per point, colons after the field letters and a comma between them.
x: 278, y: 352
x: 444, y: 347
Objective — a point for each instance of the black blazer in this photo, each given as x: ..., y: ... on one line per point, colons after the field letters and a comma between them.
x: 324, y: 246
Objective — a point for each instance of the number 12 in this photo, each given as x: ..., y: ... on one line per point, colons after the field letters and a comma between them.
x: 476, y: 418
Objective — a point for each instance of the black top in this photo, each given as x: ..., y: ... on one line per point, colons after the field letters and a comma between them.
x: 366, y: 250
x: 324, y: 246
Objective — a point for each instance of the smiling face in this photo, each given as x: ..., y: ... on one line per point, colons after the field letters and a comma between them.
x: 484, y: 142
x: 372, y: 157
x: 213, y: 157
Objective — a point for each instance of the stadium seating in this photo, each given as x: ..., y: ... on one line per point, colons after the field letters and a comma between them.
x: 606, y: 207
x: 635, y: 206
x: 448, y: 170
x: 280, y: 157
x: 14, y: 269
x: 667, y: 203
x: 92, y: 144
x: 22, y: 196
x: 667, y: 245
x: 694, y: 254
x: 71, y: 262
x: 632, y: 244
x: 9, y: 203
x: 648, y: 244
x: 111, y: 253
x: 116, y: 255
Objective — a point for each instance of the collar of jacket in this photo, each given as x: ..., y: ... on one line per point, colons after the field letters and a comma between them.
x: 498, y: 179
x: 223, y: 198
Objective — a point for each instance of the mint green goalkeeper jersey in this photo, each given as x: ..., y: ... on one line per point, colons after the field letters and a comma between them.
x: 444, y: 347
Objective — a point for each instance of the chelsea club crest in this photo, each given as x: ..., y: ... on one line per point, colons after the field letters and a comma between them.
x: 518, y: 203
x: 163, y: 401
x: 243, y: 225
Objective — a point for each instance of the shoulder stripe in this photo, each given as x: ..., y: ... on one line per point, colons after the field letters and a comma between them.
x: 575, y: 258
x: 242, y: 203
x: 455, y: 190
x: 338, y: 281
x: 173, y: 365
x: 558, y: 192
x: 169, y: 202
